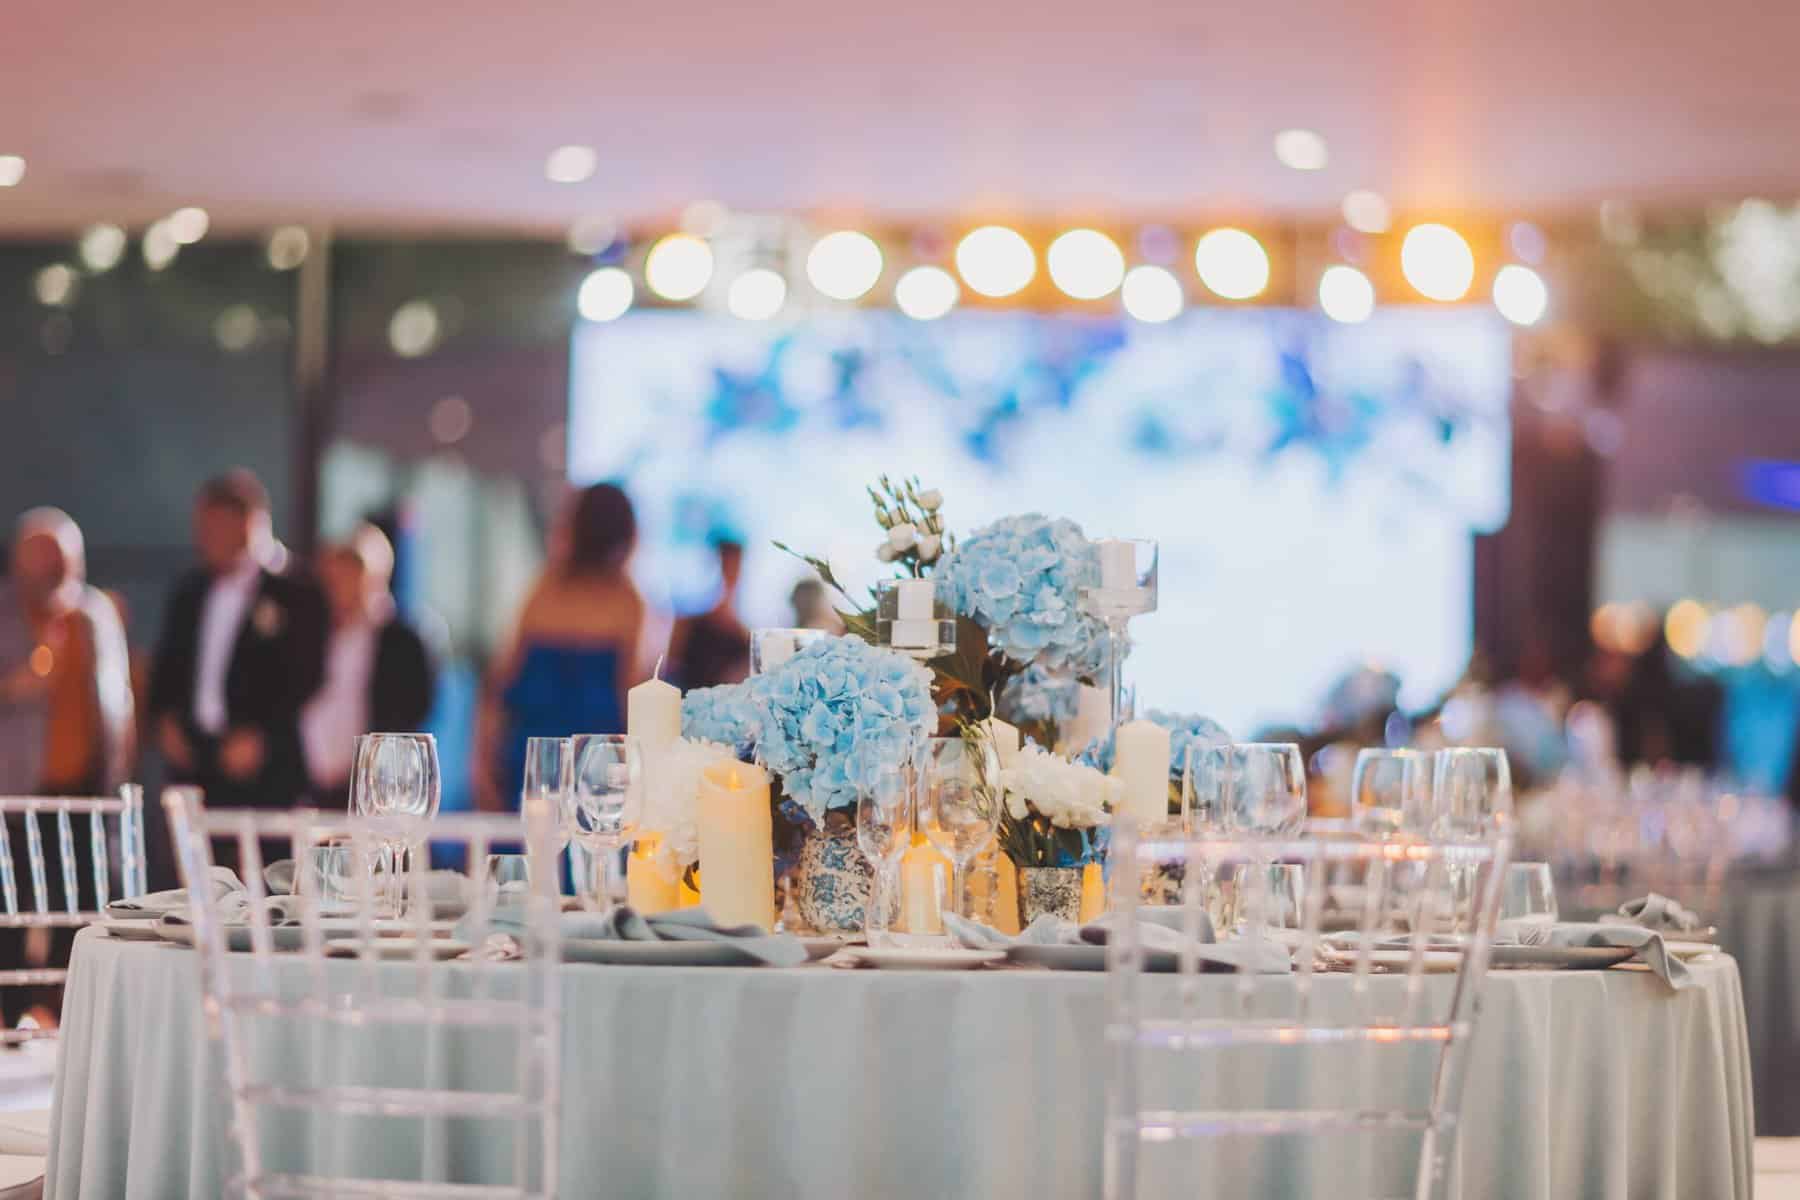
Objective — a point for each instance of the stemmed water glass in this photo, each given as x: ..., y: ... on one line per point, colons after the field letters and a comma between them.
x: 884, y: 828
x: 1471, y: 790
x: 958, y: 804
x: 1265, y: 789
x: 549, y: 772
x: 396, y: 779
x: 1390, y: 792
x: 606, y: 772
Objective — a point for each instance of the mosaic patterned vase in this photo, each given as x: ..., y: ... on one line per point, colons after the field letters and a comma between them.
x: 833, y: 882
x: 1053, y: 890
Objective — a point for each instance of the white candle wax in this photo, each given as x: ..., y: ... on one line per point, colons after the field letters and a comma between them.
x: 737, y: 850
x: 1090, y: 721
x: 1141, y: 762
x: 775, y: 646
x: 1118, y: 564
x: 916, y: 598
x: 1006, y: 741
x: 653, y: 714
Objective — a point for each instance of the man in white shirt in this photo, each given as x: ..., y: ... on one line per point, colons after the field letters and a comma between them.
x: 242, y: 650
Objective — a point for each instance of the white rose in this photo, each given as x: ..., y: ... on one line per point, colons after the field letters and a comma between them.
x: 903, y: 536
x: 929, y: 547
x: 886, y: 552
x: 930, y: 500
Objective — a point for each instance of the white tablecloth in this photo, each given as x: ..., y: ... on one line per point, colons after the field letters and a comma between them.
x: 816, y: 1082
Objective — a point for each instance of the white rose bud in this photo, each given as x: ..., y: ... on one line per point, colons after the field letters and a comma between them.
x: 903, y: 536
x: 930, y: 500
x: 929, y: 547
x: 882, y: 519
x: 886, y: 553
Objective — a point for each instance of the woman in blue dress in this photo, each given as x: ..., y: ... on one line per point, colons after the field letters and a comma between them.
x: 583, y: 637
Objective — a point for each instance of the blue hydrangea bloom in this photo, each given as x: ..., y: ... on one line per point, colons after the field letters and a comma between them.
x: 1020, y: 579
x: 1185, y: 729
x: 1038, y: 694
x: 726, y: 715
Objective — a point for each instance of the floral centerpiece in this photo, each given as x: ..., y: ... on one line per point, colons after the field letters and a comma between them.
x: 1053, y: 813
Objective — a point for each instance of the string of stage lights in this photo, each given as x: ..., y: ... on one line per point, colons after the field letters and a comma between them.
x: 761, y: 268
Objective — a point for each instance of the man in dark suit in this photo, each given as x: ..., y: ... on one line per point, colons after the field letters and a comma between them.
x: 378, y: 673
x: 242, y: 650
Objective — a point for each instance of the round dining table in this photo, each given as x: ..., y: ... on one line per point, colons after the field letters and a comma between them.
x: 815, y: 1081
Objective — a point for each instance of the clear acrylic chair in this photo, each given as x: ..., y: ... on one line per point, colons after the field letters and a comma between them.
x: 1342, y: 1079
x: 361, y: 1058
x: 76, y: 854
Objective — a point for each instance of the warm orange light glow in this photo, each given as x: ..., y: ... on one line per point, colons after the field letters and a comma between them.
x: 733, y: 780
x: 1685, y: 627
x: 43, y: 661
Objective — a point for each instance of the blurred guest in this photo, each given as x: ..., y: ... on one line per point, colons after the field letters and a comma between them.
x: 65, y: 718
x: 583, y: 637
x: 378, y: 675
x: 66, y: 711
x: 812, y: 607
x: 241, y: 652
x: 714, y: 646
x: 1663, y: 718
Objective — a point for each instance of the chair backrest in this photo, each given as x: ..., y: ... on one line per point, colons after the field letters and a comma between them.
x: 1341, y: 1079
x: 378, y: 1057
x: 98, y: 857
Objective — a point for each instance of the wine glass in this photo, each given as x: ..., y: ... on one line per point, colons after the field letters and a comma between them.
x: 958, y: 804
x: 549, y: 768
x: 1472, y: 800
x: 884, y: 827
x: 1530, y: 894
x: 396, y: 780
x: 605, y: 774
x: 1265, y: 789
x: 1390, y: 792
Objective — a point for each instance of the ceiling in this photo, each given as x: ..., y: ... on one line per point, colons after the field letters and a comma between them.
x: 386, y: 114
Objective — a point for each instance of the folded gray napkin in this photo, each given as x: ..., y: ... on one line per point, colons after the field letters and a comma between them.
x: 235, y: 910
x: 278, y: 877
x: 1646, y: 942
x: 1159, y: 930
x: 625, y: 924
x: 147, y: 907
x: 1660, y: 913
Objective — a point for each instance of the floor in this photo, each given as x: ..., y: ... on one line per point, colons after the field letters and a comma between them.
x: 1777, y: 1169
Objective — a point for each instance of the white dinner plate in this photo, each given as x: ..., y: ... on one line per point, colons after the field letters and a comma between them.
x: 821, y: 947
x: 1688, y: 949
x: 1436, y: 962
x: 943, y: 958
x: 657, y: 954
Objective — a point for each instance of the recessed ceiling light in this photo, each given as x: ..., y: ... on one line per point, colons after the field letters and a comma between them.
x: 571, y: 164
x: 1301, y: 149
x: 1367, y: 212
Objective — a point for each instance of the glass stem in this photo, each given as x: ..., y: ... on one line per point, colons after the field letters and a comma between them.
x: 959, y: 884
x: 1115, y: 671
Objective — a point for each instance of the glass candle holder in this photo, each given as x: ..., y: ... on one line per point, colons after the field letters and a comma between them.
x: 769, y: 648
x: 910, y: 618
x: 1124, y: 587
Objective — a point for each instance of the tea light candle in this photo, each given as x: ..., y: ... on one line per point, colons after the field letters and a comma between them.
x: 737, y: 844
x: 647, y: 888
x: 1093, y: 892
x: 1141, y: 763
x: 917, y: 598
x: 1118, y: 564
x: 653, y: 714
x: 689, y: 897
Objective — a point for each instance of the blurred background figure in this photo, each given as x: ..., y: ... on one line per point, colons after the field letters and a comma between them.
x: 713, y: 647
x: 378, y: 674
x: 65, y: 716
x: 812, y: 607
x: 583, y: 636
x: 242, y: 651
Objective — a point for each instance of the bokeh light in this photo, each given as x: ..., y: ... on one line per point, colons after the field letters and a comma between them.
x: 236, y: 328
x: 844, y: 265
x: 1301, y: 150
x: 101, y: 248
x: 1152, y: 295
x: 571, y: 164
x: 159, y: 246
x: 591, y: 235
x: 188, y: 225
x: 757, y: 294
x: 414, y: 329
x: 55, y: 285
x: 995, y: 261
x: 1685, y: 627
x: 288, y: 247
x: 1367, y: 212
x: 605, y: 295
x: 1437, y: 261
x: 1085, y: 264
x: 679, y: 267
x: 704, y: 218
x: 926, y: 293
x: 1520, y: 294
x: 1232, y: 263
x: 450, y: 420
x: 1346, y: 295
x: 12, y: 170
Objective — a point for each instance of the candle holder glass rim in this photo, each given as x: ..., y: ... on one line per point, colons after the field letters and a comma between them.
x: 942, y: 621
x: 800, y: 638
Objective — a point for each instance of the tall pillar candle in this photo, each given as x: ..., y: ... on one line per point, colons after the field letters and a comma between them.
x: 922, y: 873
x: 1092, y: 714
x: 737, y: 845
x: 1141, y: 763
x: 1118, y: 564
x: 653, y: 714
x: 1093, y: 892
x: 1006, y: 741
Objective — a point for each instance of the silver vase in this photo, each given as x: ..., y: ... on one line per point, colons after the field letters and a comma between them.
x: 1053, y: 890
